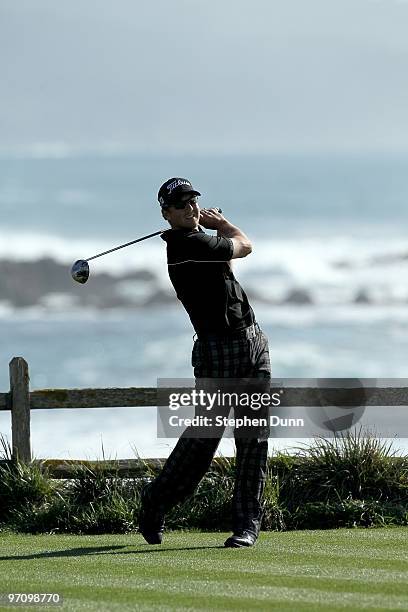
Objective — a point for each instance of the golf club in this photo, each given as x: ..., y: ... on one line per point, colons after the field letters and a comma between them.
x: 80, y: 269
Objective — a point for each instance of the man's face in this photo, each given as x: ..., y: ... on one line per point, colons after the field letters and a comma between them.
x: 186, y: 217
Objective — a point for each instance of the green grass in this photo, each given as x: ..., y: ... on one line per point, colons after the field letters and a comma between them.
x: 346, y: 569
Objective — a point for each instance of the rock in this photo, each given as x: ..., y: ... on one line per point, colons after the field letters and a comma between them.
x: 298, y: 296
x: 139, y: 275
x: 160, y: 297
x: 389, y: 258
x: 342, y: 265
x: 362, y: 297
x: 31, y: 283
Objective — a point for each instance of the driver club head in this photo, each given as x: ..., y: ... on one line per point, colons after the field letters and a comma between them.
x: 80, y: 271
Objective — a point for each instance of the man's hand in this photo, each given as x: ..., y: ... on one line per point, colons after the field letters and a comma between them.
x: 210, y: 218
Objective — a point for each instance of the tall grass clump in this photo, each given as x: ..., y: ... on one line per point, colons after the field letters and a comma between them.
x: 210, y: 506
x: 101, y: 502
x: 23, y: 487
x: 352, y: 479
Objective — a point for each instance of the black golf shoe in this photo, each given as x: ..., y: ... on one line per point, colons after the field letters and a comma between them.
x: 151, y: 522
x: 241, y: 539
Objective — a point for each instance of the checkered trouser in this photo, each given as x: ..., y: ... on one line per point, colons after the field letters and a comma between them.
x: 236, y: 358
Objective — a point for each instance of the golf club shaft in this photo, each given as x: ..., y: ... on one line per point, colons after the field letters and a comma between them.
x: 122, y: 246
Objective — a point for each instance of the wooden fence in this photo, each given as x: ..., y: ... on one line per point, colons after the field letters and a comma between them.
x: 20, y: 401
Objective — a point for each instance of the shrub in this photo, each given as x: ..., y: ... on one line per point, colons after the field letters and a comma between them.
x: 349, y: 467
x: 21, y: 485
x: 352, y: 480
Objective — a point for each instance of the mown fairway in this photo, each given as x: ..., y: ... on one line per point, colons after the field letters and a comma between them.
x: 304, y: 570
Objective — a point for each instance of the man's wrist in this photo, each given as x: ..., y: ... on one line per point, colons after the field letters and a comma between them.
x: 224, y: 226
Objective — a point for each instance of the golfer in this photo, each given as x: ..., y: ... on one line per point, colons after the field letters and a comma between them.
x: 229, y: 345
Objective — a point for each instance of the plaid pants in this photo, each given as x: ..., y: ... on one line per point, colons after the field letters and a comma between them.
x: 234, y: 357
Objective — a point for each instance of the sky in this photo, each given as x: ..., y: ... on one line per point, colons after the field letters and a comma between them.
x: 205, y: 76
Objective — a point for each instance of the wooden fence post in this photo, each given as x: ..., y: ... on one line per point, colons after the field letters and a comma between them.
x: 20, y: 409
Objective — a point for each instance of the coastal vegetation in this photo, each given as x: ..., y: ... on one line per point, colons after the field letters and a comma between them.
x: 353, y: 480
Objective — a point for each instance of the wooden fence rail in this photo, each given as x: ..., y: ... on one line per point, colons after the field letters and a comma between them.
x: 20, y: 401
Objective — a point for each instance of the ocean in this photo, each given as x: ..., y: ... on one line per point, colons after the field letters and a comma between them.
x: 327, y: 277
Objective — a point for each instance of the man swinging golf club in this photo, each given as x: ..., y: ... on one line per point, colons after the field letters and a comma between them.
x: 229, y: 345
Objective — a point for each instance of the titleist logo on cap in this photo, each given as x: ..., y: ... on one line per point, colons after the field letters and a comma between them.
x: 176, y: 183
